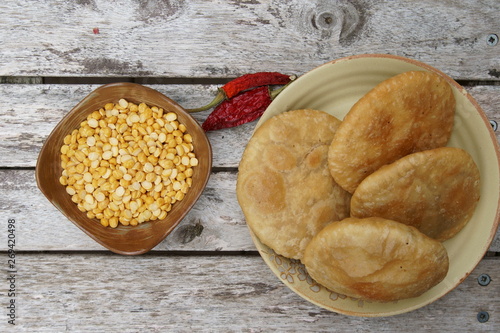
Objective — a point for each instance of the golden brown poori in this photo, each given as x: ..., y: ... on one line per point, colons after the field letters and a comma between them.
x: 284, y: 186
x: 407, y: 113
x: 375, y: 259
x: 436, y: 191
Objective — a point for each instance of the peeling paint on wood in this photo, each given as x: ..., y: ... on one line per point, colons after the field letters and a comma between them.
x: 194, y: 38
x: 209, y: 226
x: 87, y: 293
x: 28, y: 121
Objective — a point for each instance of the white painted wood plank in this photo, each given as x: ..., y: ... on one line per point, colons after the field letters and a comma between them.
x: 197, y: 38
x: 28, y: 113
x: 216, y: 222
x: 109, y: 293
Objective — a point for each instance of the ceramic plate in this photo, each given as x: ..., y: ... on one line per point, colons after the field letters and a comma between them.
x: 334, y: 87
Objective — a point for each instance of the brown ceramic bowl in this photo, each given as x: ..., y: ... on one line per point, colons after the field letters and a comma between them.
x: 130, y: 240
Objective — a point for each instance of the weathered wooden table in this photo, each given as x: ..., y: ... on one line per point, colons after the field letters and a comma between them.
x: 207, y: 275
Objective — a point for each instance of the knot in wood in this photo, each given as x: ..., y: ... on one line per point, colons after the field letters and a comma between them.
x: 188, y: 233
x: 343, y: 20
x: 325, y: 20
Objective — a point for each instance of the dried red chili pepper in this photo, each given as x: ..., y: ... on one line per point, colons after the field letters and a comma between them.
x: 242, y: 108
x: 243, y: 83
x: 254, y: 80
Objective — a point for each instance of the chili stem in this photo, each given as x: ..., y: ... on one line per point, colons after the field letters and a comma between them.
x: 274, y: 93
x: 221, y: 96
x: 218, y: 99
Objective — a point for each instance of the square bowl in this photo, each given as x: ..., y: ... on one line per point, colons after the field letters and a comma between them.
x: 334, y: 88
x: 129, y: 240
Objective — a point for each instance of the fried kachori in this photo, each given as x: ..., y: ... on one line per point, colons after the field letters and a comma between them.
x: 284, y: 186
x: 436, y: 191
x: 407, y: 113
x: 375, y: 259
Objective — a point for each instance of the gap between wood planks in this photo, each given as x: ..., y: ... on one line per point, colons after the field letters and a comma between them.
x: 164, y: 253
x: 163, y: 80
x: 105, y: 80
x: 488, y: 256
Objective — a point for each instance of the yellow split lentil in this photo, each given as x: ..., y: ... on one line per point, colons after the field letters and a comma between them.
x: 128, y: 163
